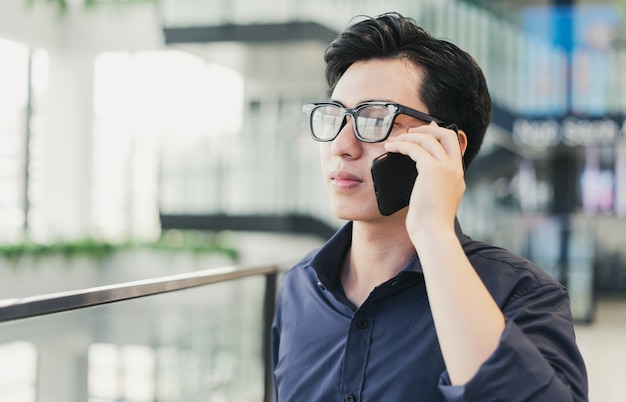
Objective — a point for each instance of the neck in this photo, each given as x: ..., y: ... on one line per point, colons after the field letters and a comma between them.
x: 378, y: 253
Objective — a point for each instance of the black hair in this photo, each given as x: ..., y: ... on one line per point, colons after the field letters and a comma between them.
x: 453, y: 87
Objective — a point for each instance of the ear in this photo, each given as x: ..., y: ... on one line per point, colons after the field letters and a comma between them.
x: 462, y: 141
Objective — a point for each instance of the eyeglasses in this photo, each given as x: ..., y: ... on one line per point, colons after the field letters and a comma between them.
x: 371, y: 121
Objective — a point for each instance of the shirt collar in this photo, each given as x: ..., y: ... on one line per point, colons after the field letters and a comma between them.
x: 328, y: 261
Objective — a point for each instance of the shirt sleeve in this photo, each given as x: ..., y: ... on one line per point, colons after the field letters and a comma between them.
x: 537, y: 358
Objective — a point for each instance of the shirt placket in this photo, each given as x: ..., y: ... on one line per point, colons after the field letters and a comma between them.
x: 356, y: 353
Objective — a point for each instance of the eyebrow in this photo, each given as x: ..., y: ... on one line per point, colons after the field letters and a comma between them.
x: 337, y: 102
x: 364, y: 101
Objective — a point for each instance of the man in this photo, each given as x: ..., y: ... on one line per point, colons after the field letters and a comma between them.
x: 405, y: 307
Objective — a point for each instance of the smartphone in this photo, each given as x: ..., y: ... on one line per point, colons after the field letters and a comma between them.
x: 394, y: 175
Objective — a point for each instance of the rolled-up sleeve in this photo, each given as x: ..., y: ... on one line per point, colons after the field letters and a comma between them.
x: 537, y: 358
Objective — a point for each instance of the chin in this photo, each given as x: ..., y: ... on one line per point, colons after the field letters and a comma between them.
x: 353, y: 213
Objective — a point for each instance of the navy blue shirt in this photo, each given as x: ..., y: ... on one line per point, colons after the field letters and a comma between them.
x: 325, y: 349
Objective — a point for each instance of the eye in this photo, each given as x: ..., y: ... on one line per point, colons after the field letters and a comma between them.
x: 401, y: 123
x: 406, y: 122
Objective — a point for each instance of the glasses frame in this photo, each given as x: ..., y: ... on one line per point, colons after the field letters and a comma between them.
x: 394, y: 108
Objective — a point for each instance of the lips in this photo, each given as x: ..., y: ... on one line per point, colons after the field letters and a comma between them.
x: 345, y: 180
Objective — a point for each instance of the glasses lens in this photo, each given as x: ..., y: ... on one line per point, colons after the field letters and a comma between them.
x: 326, y: 122
x: 373, y: 122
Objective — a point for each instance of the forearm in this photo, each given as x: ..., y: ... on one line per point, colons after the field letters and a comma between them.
x: 518, y: 371
x: 468, y: 322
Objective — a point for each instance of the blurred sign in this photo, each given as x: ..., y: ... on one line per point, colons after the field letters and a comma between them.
x: 570, y: 131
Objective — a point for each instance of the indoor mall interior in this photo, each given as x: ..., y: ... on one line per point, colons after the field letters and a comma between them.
x: 157, y: 177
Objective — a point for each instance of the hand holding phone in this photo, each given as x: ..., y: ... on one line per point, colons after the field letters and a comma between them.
x: 394, y: 176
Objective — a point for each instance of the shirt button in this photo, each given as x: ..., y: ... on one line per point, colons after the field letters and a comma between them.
x: 349, y: 398
x: 361, y: 323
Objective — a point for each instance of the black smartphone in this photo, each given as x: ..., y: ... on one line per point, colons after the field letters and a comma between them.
x: 394, y: 176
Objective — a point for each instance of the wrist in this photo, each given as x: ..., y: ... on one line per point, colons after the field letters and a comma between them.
x: 431, y: 238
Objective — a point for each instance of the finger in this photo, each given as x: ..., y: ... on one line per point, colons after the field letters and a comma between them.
x: 421, y: 154
x: 451, y: 143
x: 448, y: 133
x: 432, y: 137
x: 427, y: 142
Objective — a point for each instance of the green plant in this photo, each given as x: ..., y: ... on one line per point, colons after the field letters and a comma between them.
x: 193, y: 241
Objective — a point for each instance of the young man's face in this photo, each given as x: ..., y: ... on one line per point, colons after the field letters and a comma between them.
x: 346, y: 161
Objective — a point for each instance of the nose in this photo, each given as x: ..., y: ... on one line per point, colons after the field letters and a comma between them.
x: 346, y: 145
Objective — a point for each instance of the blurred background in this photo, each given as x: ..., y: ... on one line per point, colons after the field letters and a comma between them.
x: 177, y: 123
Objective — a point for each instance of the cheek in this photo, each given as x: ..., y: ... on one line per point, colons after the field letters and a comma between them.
x: 375, y: 152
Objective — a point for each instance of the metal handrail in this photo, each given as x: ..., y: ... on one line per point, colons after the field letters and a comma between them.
x: 35, y: 306
x: 27, y: 307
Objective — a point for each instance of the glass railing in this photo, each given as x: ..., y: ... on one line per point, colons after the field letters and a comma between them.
x: 197, y: 336
x: 271, y: 168
x: 168, y: 339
